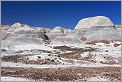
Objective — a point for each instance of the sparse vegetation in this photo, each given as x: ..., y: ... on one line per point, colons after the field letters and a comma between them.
x: 109, y: 60
x: 116, y: 45
x: 21, y: 59
x: 62, y: 74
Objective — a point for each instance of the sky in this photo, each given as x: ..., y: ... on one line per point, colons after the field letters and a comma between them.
x: 61, y: 13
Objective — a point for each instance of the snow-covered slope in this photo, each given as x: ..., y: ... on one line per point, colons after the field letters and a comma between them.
x: 67, y: 41
x: 103, y: 33
x: 22, y: 36
x: 57, y: 31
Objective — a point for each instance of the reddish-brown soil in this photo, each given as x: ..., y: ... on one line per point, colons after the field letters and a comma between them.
x: 63, y: 74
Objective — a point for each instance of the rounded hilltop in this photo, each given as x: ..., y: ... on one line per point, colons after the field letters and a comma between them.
x: 16, y: 25
x: 94, y: 21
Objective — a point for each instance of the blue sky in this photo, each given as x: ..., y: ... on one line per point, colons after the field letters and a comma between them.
x: 64, y: 13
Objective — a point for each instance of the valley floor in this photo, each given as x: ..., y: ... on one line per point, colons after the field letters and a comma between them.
x: 97, y: 61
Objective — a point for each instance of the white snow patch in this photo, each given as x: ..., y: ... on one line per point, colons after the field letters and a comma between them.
x: 31, y: 46
x: 8, y: 78
x: 98, y: 78
x: 10, y: 64
x: 85, y: 54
